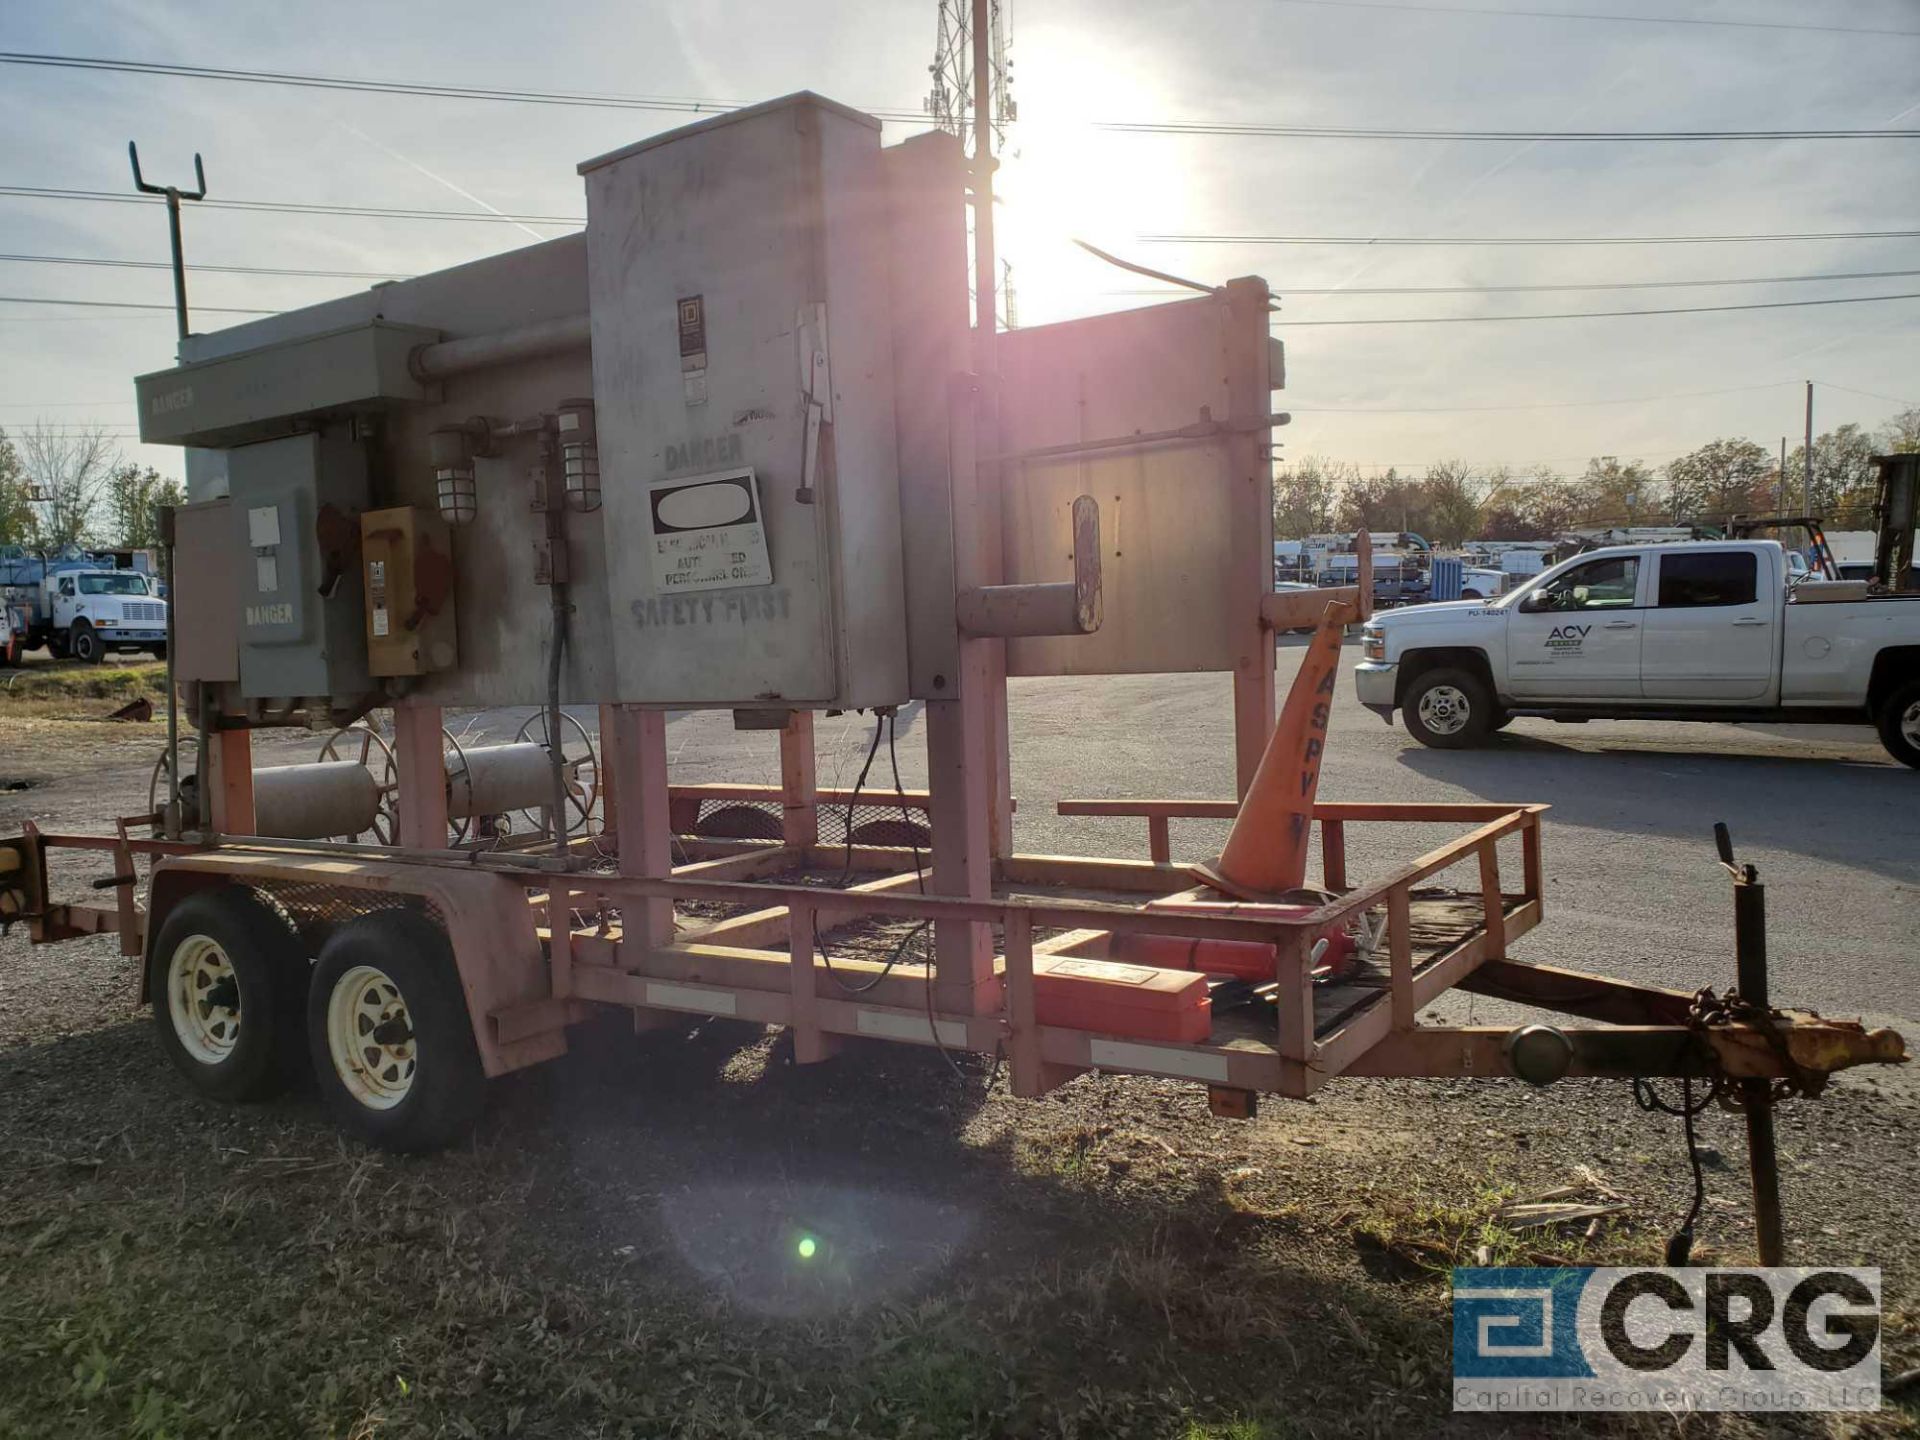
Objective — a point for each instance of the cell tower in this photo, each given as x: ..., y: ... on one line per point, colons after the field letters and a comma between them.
x: 950, y: 102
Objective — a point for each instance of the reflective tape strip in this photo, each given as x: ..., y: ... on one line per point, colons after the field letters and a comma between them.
x: 1121, y: 1055
x: 690, y: 997
x: 910, y: 1027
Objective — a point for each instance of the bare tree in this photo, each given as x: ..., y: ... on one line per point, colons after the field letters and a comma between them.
x: 1452, y: 498
x: 67, y: 468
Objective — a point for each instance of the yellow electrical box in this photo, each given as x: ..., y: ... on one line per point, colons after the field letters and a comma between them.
x: 407, y: 568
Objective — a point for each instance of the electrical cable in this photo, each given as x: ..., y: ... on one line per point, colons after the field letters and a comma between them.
x: 1292, y: 291
x: 1480, y: 12
x: 1355, y: 132
x: 925, y: 927
x: 1604, y: 314
x: 1680, y: 1243
x: 129, y: 305
x: 292, y: 207
x: 899, y: 116
x: 846, y: 874
x: 1201, y: 238
x: 117, y: 264
x: 374, y: 212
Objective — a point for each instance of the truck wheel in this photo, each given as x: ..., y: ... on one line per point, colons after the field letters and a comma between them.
x: 1447, y: 709
x: 225, y: 978
x: 388, y: 1029
x: 85, y: 645
x: 1900, y: 724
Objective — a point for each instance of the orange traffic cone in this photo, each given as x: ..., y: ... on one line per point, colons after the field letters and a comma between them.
x: 1266, y: 851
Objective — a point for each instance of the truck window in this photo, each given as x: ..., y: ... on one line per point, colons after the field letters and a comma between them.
x: 125, y: 584
x: 1716, y: 577
x: 1598, y: 585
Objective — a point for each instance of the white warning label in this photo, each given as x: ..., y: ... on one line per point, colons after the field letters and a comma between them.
x: 708, y: 533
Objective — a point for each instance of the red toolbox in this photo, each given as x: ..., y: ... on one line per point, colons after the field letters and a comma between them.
x: 1112, y: 998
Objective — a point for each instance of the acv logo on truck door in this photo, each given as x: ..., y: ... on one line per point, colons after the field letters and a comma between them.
x: 1565, y: 638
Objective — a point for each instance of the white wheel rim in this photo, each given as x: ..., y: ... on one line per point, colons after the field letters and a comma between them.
x: 1444, y: 710
x: 370, y: 1038
x: 1910, y: 724
x: 203, y: 999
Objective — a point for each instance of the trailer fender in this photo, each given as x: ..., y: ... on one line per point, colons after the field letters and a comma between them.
x: 489, y: 924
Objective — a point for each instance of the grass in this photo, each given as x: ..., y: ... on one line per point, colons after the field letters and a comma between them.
x: 615, y: 1256
x: 62, y: 689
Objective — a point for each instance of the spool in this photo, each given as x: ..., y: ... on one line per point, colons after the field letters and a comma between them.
x: 496, y: 779
x: 314, y: 802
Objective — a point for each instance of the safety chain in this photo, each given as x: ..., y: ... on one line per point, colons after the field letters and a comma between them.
x: 1709, y: 1009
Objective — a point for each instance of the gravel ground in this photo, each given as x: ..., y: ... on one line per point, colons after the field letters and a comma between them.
x: 615, y: 1254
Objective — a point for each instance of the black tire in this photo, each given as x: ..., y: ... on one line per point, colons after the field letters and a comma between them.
x: 420, y: 1086
x: 229, y: 940
x: 1899, y: 724
x: 1502, y: 717
x: 85, y: 644
x: 1453, y: 698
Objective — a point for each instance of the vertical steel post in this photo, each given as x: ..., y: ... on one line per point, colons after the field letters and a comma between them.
x: 179, y: 260
x: 1806, y: 456
x: 174, y: 195
x: 1756, y: 1096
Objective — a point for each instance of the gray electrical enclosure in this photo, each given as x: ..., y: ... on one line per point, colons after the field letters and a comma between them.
x: 295, y: 509
x: 743, y: 364
x: 229, y: 401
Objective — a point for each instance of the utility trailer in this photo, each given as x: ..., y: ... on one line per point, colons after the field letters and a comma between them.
x: 746, y: 442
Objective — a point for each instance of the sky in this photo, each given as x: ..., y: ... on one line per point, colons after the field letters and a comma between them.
x: 1520, y: 394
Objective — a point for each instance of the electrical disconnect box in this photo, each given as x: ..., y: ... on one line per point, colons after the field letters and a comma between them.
x: 407, y: 569
x: 742, y: 360
x: 295, y: 506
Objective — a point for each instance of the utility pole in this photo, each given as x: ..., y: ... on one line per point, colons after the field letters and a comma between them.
x: 1806, y: 490
x: 972, y: 79
x: 1780, y: 476
x: 986, y: 317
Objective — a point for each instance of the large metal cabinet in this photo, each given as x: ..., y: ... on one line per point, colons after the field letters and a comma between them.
x: 742, y: 359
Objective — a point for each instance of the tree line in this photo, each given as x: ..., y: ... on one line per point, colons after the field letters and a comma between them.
x: 1454, y: 502
x: 71, y: 485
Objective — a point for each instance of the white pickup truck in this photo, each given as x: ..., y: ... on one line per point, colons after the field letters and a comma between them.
x: 1720, y: 631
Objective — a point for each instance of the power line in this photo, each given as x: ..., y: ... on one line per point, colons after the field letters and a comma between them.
x: 1607, y: 314
x: 1531, y: 405
x: 1354, y: 132
x: 128, y: 305
x: 206, y: 269
x: 1291, y: 290
x: 571, y: 98
x: 701, y: 106
x: 290, y: 207
x: 40, y: 192
x: 1591, y: 16
x: 1202, y: 239
x: 1870, y: 394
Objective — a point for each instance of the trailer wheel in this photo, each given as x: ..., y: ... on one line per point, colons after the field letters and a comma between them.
x: 85, y: 644
x: 225, y: 978
x: 1447, y: 709
x: 1899, y: 723
x: 388, y: 1030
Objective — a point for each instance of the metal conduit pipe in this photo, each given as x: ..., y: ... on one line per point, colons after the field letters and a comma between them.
x: 479, y: 352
